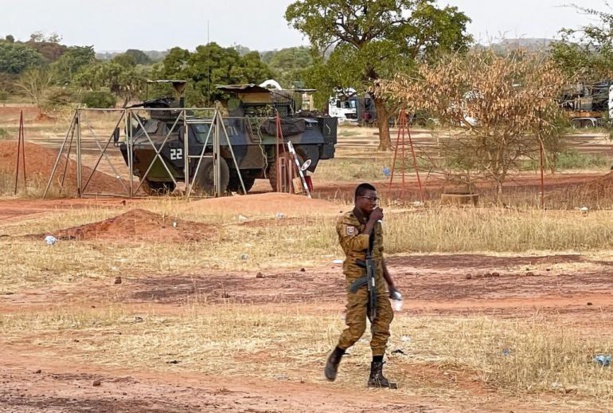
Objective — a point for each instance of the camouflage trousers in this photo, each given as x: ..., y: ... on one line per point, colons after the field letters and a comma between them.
x: 357, y: 308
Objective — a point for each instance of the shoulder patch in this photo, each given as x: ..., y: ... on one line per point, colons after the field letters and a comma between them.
x: 351, y: 230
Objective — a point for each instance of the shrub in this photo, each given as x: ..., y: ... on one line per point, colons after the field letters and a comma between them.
x: 57, y: 98
x: 98, y: 99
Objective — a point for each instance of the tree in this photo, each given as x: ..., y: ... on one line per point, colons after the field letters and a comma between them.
x: 39, y: 37
x: 290, y: 65
x: 124, y: 60
x: 374, y: 39
x: 507, y: 107
x: 211, y: 65
x: 139, y: 57
x: 73, y: 60
x: 126, y: 82
x: 587, y: 52
x: 35, y: 82
x: 17, y: 57
x: 48, y: 46
x: 50, y: 51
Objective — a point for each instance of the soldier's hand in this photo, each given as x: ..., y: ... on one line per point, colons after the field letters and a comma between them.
x: 395, y: 294
x: 376, y: 214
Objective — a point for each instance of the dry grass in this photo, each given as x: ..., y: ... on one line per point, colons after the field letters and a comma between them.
x: 525, y: 356
x: 497, y: 230
x: 307, y: 242
x: 446, y: 357
x: 351, y: 170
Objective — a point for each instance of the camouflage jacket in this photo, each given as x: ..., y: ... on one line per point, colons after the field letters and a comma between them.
x: 350, y: 229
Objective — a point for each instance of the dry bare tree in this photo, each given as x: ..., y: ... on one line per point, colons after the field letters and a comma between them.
x: 35, y: 82
x: 505, y: 107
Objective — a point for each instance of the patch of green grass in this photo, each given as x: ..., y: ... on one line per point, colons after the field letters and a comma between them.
x: 574, y: 160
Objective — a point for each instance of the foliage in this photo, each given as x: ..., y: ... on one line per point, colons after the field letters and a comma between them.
x: 124, y: 60
x: 41, y: 37
x: 98, y: 99
x: 124, y: 81
x: 73, y: 60
x: 7, y: 82
x: 587, y: 51
x: 138, y: 56
x: 374, y: 39
x: 56, y: 97
x: 290, y: 65
x: 571, y: 159
x: 211, y: 65
x: 49, y: 50
x: 506, y: 106
x: 35, y: 82
x: 17, y: 57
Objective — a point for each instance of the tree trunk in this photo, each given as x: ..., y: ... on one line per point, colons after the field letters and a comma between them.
x: 499, y: 193
x: 383, y: 117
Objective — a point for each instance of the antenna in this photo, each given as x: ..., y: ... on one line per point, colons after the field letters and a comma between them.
x: 208, y: 98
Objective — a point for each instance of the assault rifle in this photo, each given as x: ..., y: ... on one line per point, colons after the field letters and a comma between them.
x: 369, y: 280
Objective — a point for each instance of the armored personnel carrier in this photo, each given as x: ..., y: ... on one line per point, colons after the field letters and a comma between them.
x: 252, y: 135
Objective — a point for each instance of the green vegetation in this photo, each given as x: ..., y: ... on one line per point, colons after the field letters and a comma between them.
x: 572, y: 159
x: 98, y: 99
x: 374, y: 40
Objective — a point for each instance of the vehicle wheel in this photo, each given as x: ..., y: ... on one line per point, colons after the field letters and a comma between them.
x: 157, y: 188
x: 204, y: 182
x: 235, y: 184
x: 273, y: 171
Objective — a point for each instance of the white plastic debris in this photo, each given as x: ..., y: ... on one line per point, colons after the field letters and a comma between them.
x: 337, y: 261
x: 279, y: 215
x: 50, y: 239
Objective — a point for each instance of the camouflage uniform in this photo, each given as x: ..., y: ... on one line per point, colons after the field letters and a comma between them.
x: 350, y: 228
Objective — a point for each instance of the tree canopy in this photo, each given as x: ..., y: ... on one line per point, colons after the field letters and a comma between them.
x: 209, y: 66
x: 506, y: 104
x: 587, y: 52
x: 17, y: 57
x: 374, y: 39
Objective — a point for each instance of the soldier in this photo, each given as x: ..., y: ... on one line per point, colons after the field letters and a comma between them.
x: 357, y: 231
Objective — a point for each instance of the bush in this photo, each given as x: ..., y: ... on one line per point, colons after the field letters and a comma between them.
x: 98, y: 99
x: 57, y: 98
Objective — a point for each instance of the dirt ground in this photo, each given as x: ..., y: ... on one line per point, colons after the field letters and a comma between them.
x: 503, y: 286
x: 454, y: 285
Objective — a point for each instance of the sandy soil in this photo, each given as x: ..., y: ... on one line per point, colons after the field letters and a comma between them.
x: 452, y: 285
x: 460, y: 284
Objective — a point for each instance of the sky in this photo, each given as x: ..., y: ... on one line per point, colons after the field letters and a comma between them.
x: 117, y: 25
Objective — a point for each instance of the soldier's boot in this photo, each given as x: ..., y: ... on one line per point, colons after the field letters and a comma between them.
x: 377, y: 379
x: 334, y: 359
